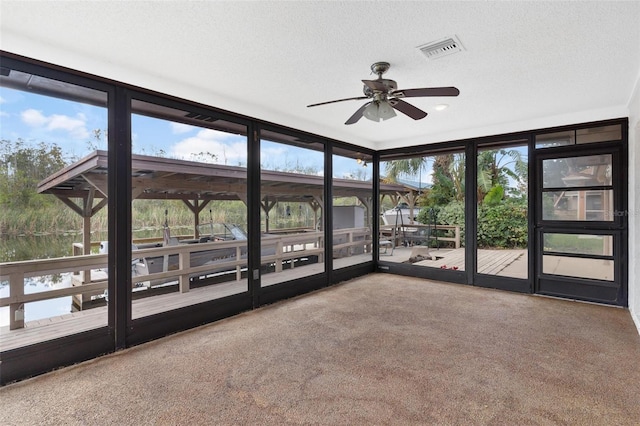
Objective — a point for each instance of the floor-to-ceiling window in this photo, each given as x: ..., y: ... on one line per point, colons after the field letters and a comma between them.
x: 293, y: 207
x: 502, y: 234
x: 423, y: 225
x: 352, y: 208
x: 189, y: 211
x: 52, y: 277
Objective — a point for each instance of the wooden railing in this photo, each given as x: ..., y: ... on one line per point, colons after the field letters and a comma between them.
x: 18, y: 271
x: 286, y: 248
x: 409, y: 233
x: 348, y: 239
x: 280, y: 248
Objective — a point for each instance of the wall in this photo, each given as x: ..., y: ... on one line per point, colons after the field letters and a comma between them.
x: 634, y: 204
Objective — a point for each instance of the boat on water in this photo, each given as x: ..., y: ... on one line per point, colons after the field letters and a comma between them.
x: 217, y: 255
x: 401, y: 215
x: 210, y: 255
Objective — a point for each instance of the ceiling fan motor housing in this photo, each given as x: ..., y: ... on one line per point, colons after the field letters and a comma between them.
x: 389, y: 86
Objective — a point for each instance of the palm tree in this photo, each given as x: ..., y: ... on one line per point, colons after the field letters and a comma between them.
x: 497, y: 167
x: 405, y: 167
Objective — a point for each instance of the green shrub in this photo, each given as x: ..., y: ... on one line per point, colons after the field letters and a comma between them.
x: 504, y: 225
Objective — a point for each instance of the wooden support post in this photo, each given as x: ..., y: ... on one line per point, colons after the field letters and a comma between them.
x: 184, y: 263
x: 196, y: 220
x: 196, y: 208
x: 266, y: 207
x: 86, y: 244
x: 16, y: 290
x: 320, y: 255
x: 239, y: 267
x: 279, y: 256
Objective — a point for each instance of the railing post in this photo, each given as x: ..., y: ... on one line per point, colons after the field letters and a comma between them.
x: 77, y: 251
x: 320, y: 244
x: 16, y: 310
x: 279, y: 255
x: 350, y: 246
x: 238, y: 258
x: 457, y: 237
x: 184, y: 263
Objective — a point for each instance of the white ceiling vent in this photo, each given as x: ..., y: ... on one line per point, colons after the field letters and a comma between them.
x: 438, y: 49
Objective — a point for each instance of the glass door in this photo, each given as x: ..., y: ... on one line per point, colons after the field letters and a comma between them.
x: 579, y: 225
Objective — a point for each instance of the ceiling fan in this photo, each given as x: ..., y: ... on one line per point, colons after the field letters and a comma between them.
x: 385, y: 97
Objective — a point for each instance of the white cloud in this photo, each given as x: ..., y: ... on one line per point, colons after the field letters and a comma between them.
x: 76, y: 127
x: 228, y: 149
x: 2, y: 100
x: 33, y: 118
x: 272, y: 152
x: 179, y: 128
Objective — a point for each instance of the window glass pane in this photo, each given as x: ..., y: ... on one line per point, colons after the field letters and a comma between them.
x: 579, y: 243
x: 422, y: 202
x: 189, y: 216
x: 49, y: 216
x: 600, y: 134
x: 555, y: 139
x: 292, y: 198
x: 571, y: 172
x: 597, y: 269
x: 352, y: 204
x: 591, y: 205
x: 502, y: 211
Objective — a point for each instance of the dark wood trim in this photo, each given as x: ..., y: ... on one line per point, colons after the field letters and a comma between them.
x: 120, y: 235
x: 327, y: 209
x: 286, y: 290
x: 470, y: 212
x: 456, y: 277
x: 253, y: 213
x: 21, y: 363
x: 375, y: 207
x: 169, y: 322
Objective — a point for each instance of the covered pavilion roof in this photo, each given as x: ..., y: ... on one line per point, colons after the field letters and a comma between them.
x: 173, y: 179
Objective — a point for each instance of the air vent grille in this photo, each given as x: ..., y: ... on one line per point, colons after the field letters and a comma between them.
x: 440, y: 48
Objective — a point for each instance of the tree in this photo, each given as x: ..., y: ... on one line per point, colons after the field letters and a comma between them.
x: 22, y: 167
x: 405, y: 167
x: 442, y: 190
x: 498, y: 167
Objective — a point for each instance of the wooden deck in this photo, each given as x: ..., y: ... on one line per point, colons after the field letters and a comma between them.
x: 490, y: 262
x: 510, y: 263
x: 77, y: 322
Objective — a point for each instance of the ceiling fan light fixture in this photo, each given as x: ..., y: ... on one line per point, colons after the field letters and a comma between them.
x: 441, y: 107
x: 385, y: 110
x: 371, y: 112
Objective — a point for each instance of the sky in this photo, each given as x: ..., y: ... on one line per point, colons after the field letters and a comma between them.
x: 79, y: 129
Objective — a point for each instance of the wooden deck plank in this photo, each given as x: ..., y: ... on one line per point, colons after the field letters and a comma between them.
x: 496, y: 260
x: 490, y: 262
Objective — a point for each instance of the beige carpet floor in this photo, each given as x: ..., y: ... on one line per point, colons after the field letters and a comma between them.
x: 380, y: 349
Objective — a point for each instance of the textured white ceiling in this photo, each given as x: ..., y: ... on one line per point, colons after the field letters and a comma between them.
x: 526, y: 64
